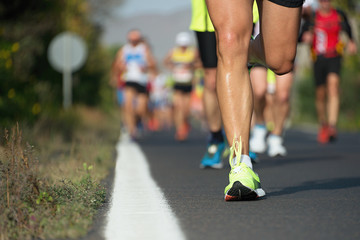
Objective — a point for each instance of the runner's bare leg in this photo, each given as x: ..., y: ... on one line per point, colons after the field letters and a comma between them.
x: 232, y: 20
x: 333, y: 100
x: 276, y: 44
x: 129, y: 112
x: 320, y: 102
x: 258, y: 77
x: 211, y: 104
x: 282, y: 101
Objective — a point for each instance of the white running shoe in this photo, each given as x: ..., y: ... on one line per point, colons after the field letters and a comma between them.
x: 257, y: 140
x: 275, y: 146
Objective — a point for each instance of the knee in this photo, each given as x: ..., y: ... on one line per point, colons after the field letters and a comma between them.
x: 210, y: 80
x: 333, y: 86
x: 259, y: 91
x: 232, y: 44
x: 333, y: 91
x: 282, y: 97
x: 128, y: 106
x: 320, y: 93
x: 282, y: 62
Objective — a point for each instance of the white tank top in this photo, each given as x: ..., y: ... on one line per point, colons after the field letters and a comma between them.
x: 135, y: 60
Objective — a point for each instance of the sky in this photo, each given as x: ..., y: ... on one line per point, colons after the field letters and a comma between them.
x: 132, y: 8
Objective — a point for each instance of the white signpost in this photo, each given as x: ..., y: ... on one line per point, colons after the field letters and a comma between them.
x: 67, y: 53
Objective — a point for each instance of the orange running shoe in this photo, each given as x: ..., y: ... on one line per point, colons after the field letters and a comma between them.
x: 323, y: 136
x: 153, y: 124
x: 183, y: 132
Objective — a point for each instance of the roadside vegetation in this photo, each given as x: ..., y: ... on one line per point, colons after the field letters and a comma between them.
x: 53, y: 162
x: 51, y: 186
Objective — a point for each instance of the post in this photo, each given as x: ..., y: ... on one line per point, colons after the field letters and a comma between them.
x: 67, y: 83
x: 67, y: 89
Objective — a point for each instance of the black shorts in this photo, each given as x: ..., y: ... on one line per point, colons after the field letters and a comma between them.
x: 288, y: 3
x: 138, y: 87
x: 323, y: 66
x: 207, y: 48
x: 183, y: 88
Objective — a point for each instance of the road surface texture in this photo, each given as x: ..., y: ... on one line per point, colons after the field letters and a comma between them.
x: 313, y: 193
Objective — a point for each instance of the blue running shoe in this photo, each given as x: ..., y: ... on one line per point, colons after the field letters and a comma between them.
x: 254, y: 158
x: 213, y: 156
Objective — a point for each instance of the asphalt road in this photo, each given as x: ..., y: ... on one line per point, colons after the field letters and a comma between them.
x: 313, y: 193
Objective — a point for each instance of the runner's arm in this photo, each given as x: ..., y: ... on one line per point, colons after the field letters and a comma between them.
x: 151, y: 62
x: 117, y: 67
x: 167, y: 60
x: 345, y: 26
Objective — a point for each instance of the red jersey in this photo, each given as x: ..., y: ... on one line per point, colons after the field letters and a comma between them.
x: 326, y: 33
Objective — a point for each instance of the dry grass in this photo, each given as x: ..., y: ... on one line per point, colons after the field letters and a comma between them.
x: 52, y: 190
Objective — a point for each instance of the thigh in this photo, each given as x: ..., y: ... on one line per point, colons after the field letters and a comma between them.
x: 231, y: 16
x: 279, y: 29
x: 332, y: 83
x: 129, y: 96
x: 176, y: 98
x: 142, y: 102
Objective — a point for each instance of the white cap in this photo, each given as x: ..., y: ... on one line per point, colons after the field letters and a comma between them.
x: 183, y: 39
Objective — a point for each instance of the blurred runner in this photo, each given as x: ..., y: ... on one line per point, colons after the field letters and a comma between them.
x: 322, y: 32
x: 197, y: 105
x: 135, y: 60
x: 117, y: 81
x: 205, y: 34
x: 160, y: 97
x: 274, y: 47
x: 275, y: 88
x: 182, y: 61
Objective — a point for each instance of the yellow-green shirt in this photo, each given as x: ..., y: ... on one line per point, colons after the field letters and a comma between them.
x: 200, y: 20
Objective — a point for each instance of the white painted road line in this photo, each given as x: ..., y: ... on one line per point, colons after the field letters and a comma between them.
x: 138, y: 207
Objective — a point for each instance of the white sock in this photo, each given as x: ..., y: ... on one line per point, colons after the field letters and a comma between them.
x: 247, y: 160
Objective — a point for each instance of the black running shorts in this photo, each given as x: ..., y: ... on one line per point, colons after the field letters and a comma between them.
x: 288, y: 3
x: 138, y: 87
x: 183, y: 88
x: 323, y: 66
x: 207, y: 48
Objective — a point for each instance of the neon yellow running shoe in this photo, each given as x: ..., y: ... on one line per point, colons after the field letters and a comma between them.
x: 244, y: 182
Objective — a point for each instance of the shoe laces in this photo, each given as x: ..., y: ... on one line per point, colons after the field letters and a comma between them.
x: 235, y: 150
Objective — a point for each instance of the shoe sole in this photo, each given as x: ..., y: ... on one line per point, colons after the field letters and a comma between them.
x: 214, y: 166
x: 259, y: 151
x: 277, y: 155
x: 332, y: 139
x: 239, y: 192
x: 255, y: 160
